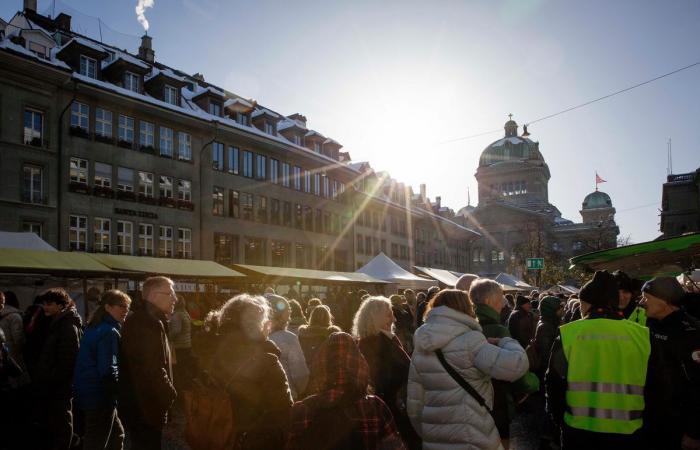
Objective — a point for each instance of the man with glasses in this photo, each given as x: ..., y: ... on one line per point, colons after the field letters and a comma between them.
x: 146, y: 384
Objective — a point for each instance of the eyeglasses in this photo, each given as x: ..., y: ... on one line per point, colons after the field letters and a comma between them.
x: 169, y: 294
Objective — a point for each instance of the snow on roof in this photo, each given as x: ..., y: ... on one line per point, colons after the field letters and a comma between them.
x: 237, y: 100
x: 260, y: 111
x: 126, y: 58
x: 86, y: 43
x: 166, y: 73
x: 311, y: 133
x: 9, y: 45
x: 331, y: 141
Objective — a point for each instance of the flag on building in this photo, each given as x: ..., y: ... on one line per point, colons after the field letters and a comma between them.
x: 598, y: 180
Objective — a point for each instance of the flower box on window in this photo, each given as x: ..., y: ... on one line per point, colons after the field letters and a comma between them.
x: 78, y: 187
x: 168, y: 202
x: 147, y: 199
x: 79, y: 132
x: 104, y: 139
x: 184, y: 204
x: 148, y: 149
x: 102, y: 191
x: 125, y: 144
x: 126, y: 195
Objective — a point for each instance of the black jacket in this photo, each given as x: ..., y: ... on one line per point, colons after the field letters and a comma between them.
x: 146, y: 389
x: 556, y: 386
x: 53, y: 374
x: 545, y: 334
x: 521, y: 325
x: 673, y: 381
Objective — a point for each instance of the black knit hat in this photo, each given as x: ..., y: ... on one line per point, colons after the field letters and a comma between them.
x: 667, y: 289
x: 521, y: 300
x: 601, y: 291
x: 624, y: 282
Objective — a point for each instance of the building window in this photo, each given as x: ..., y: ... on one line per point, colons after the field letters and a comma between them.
x: 145, y: 239
x: 170, y: 95
x: 296, y: 139
x: 78, y: 170
x: 317, y: 183
x: 101, y: 234
x: 184, y: 142
x: 577, y: 245
x: 126, y: 129
x: 147, y: 134
x: 38, y: 49
x: 394, y: 250
x: 233, y: 160
x: 184, y: 190
x: 33, y: 227
x: 297, y: 178
x: 125, y: 236
x: 280, y: 253
x: 287, y: 214
x: 146, y: 184
x: 326, y: 188
x: 166, y: 142
x: 317, y: 147
x: 165, y: 242
x: 217, y: 156
x: 254, y: 251
x: 247, y: 206
x: 225, y: 248
x: 319, y: 221
x: 103, y: 122
x: 274, y: 211
x: 368, y: 245
x: 103, y: 175
x: 270, y: 128
x: 242, y: 119
x: 125, y: 179
x: 262, y: 209
x: 131, y: 81
x: 165, y: 187
x: 307, y: 181
x: 217, y: 201
x: 33, y: 127
x: 77, y: 233
x: 274, y: 171
x: 32, y: 184
x: 309, y: 218
x: 88, y: 67
x: 214, y: 109
x: 184, y: 243
x: 260, y: 167
x: 298, y: 216
x: 234, y: 204
x: 285, y: 174
x: 476, y: 254
x: 80, y: 116
x: 247, y: 164
x: 334, y: 192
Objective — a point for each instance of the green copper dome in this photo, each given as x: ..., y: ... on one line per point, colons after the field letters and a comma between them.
x: 597, y: 199
x: 510, y: 148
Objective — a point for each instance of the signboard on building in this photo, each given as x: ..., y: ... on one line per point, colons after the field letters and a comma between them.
x: 534, y: 263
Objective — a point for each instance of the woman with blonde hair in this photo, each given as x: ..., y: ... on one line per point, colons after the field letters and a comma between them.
x: 445, y: 415
x: 247, y: 363
x: 314, y: 334
x: 373, y: 326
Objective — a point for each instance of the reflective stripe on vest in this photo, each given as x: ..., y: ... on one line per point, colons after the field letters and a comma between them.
x: 639, y: 315
x: 607, y: 365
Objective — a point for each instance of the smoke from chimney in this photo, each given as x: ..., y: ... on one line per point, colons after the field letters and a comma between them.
x: 140, y: 9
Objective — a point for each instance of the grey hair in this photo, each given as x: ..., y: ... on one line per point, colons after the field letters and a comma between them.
x: 484, y: 288
x: 465, y: 281
x: 365, y: 323
x: 248, y: 313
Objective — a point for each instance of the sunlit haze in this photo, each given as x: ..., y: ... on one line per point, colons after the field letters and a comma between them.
x: 392, y: 81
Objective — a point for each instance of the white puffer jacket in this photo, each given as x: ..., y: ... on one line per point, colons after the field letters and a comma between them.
x: 442, y: 412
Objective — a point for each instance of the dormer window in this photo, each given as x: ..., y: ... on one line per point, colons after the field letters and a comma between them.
x: 296, y: 139
x: 38, y: 49
x: 269, y: 128
x: 214, y: 109
x: 317, y: 147
x: 88, y: 67
x: 242, y: 119
x: 131, y: 81
x: 170, y: 95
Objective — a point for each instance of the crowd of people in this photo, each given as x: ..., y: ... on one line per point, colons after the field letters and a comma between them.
x: 616, y: 366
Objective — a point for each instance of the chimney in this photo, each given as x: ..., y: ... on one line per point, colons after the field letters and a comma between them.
x: 422, y: 192
x: 298, y: 118
x: 199, y: 77
x: 30, y: 5
x: 438, y: 200
x: 146, y: 51
x: 62, y: 21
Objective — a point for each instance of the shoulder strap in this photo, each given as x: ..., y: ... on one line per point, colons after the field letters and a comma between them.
x: 461, y: 381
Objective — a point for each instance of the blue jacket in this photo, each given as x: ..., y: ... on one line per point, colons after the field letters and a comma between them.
x: 97, y: 369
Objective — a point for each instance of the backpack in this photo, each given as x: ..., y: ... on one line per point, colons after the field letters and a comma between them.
x: 209, y: 414
x: 533, y: 356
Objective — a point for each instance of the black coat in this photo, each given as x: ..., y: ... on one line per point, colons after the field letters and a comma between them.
x: 53, y: 373
x: 545, y: 334
x: 521, y: 325
x: 146, y: 389
x: 672, y: 393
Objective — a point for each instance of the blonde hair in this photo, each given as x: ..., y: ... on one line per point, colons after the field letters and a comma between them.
x: 247, y: 313
x: 321, y: 316
x: 366, y: 321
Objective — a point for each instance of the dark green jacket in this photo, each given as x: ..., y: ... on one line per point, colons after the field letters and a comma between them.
x: 503, y: 391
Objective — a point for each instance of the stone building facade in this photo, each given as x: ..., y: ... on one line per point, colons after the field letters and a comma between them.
x: 680, y: 204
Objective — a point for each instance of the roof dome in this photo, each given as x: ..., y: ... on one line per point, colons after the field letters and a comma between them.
x: 510, y: 148
x: 597, y: 199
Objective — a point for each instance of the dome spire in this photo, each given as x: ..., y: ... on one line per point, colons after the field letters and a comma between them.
x: 511, y: 127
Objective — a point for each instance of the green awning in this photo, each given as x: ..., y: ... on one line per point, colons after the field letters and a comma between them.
x: 288, y: 274
x: 15, y: 260
x: 663, y: 257
x: 175, y: 268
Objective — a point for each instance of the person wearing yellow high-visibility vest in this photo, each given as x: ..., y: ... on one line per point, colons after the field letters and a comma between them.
x: 597, y: 373
x: 629, y: 292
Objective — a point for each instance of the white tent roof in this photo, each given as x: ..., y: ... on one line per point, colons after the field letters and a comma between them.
x: 383, y: 268
x: 26, y: 241
x: 512, y: 283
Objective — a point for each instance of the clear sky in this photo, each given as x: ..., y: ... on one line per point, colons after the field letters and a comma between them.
x: 392, y: 80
